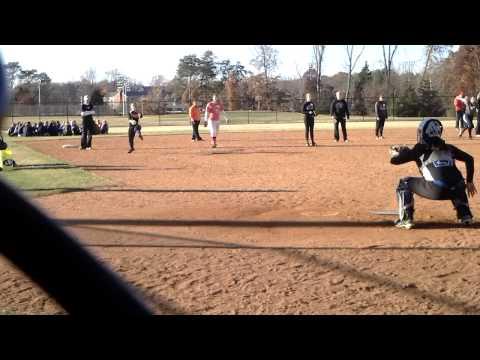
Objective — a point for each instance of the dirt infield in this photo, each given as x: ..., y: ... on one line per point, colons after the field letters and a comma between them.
x: 263, y: 225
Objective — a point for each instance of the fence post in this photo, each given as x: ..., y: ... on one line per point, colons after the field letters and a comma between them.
x: 248, y: 116
x: 394, y: 100
x: 276, y: 116
x: 67, y: 111
x: 12, y: 110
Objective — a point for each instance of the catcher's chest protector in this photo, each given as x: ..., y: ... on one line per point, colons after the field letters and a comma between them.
x: 439, y: 165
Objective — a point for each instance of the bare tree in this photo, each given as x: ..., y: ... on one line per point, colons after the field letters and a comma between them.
x: 433, y: 53
x: 301, y: 81
x: 351, y: 64
x: 157, y: 80
x: 266, y: 61
x: 318, y: 51
x: 90, y: 75
x: 112, y: 75
x: 388, y: 55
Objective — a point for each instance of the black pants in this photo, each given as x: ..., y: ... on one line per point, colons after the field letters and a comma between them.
x: 195, y: 133
x: 87, y: 133
x: 459, y: 119
x: 429, y: 190
x: 132, y: 130
x: 343, y: 123
x: 380, y: 123
x: 309, y: 124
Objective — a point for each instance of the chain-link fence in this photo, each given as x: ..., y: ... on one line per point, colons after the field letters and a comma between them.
x: 247, y: 111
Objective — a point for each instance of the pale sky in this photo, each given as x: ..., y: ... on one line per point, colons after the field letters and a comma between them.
x: 141, y: 62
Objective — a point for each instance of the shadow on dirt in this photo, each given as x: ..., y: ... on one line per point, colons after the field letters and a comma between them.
x: 299, y: 254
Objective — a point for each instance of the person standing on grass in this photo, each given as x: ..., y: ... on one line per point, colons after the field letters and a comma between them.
x: 309, y: 120
x: 194, y: 113
x: 212, y: 118
x: 459, y: 104
x: 381, y: 114
x: 88, y: 124
x: 339, y: 112
x: 133, y: 126
x: 467, y: 119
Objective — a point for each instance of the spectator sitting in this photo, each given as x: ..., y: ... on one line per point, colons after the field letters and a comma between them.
x: 96, y: 128
x: 40, y: 130
x: 11, y: 129
x: 27, y: 129
x: 17, y: 129
x: 75, y: 128
x: 67, y: 129
x: 104, y: 127
x: 59, y: 129
x: 20, y: 128
x: 52, y: 129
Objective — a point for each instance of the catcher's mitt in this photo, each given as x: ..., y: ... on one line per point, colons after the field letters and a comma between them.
x: 395, y: 150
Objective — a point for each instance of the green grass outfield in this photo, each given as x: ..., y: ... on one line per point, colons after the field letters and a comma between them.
x: 38, y: 174
x: 235, y: 118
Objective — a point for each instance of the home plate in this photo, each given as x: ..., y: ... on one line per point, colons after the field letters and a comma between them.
x: 68, y: 146
x: 384, y: 212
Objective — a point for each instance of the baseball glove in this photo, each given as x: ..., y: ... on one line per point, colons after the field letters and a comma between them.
x: 395, y: 150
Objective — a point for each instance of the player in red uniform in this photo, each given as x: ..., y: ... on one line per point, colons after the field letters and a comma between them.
x: 212, y: 118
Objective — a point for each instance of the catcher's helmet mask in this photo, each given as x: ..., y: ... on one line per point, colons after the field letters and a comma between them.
x: 429, y: 131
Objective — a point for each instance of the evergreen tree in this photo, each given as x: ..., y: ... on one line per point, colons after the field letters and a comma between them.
x: 408, y: 102
x: 429, y: 102
x: 363, y: 78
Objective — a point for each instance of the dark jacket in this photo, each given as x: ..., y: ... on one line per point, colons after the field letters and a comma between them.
x: 381, y: 109
x: 309, y: 109
x: 339, y: 109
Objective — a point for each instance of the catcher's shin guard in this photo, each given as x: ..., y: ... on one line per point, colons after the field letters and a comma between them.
x: 462, y: 208
x: 405, y: 201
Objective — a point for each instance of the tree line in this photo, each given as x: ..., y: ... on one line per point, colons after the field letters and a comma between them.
x: 428, y: 92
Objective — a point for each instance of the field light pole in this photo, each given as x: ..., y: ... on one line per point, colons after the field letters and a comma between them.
x: 39, y: 101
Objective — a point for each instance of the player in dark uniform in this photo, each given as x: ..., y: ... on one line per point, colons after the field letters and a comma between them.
x: 133, y: 126
x: 339, y: 111
x: 309, y: 120
x: 382, y: 114
x: 88, y: 124
x: 441, y: 179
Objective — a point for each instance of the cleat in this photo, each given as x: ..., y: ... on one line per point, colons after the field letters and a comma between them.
x: 140, y: 136
x: 406, y: 224
x: 314, y: 143
x: 131, y: 150
x: 307, y: 144
x: 466, y: 220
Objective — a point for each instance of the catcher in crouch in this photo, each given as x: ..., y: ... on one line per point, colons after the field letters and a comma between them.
x: 441, y: 179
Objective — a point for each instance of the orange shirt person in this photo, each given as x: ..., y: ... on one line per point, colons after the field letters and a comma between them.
x: 194, y: 113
